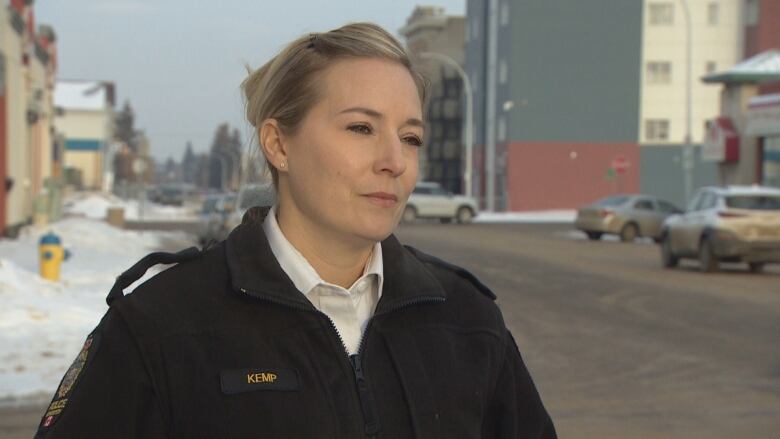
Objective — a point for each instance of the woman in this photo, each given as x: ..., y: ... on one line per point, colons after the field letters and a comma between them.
x: 310, y: 320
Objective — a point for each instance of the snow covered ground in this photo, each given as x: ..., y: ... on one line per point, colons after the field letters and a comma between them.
x: 42, y: 323
x: 95, y: 206
x: 546, y: 216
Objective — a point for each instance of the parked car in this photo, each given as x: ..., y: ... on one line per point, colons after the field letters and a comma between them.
x: 170, y: 195
x: 725, y: 224
x: 213, y: 213
x: 430, y: 200
x: 628, y: 216
x: 249, y: 196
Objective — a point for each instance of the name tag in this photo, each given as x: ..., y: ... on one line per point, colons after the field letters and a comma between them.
x: 248, y: 380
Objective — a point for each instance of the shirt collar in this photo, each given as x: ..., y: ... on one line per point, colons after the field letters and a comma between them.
x: 254, y: 270
x: 299, y: 270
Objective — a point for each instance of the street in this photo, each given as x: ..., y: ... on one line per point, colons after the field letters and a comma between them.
x: 618, y: 347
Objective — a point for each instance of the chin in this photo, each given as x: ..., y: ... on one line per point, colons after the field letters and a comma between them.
x: 376, y: 231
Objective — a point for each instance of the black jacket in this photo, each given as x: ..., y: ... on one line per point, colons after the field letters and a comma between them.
x: 224, y: 346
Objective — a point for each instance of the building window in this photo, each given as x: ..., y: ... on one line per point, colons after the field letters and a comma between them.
x: 501, y: 129
x: 502, y: 71
x: 751, y: 13
x: 657, y: 129
x: 659, y: 72
x: 661, y: 14
x: 713, y: 14
x: 711, y: 67
x: 504, y: 13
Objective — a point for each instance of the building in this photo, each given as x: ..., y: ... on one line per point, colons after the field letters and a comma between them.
x: 29, y: 160
x: 85, y: 117
x: 744, y: 140
x: 579, y: 100
x: 430, y: 31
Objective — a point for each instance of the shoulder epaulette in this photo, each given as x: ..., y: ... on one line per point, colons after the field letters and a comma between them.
x: 460, y: 271
x: 135, y: 272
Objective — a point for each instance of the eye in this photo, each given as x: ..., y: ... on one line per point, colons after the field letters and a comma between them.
x: 360, y: 128
x: 413, y: 140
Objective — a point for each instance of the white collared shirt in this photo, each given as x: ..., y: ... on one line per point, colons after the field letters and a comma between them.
x: 350, y: 309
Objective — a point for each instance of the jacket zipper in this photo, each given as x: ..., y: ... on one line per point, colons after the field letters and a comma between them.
x: 371, y: 424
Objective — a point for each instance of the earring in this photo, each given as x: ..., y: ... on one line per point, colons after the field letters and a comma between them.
x: 281, y: 165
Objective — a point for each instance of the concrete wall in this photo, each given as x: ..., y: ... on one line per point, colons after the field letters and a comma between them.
x: 661, y: 172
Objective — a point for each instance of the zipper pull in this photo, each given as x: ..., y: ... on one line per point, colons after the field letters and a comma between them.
x: 364, y: 394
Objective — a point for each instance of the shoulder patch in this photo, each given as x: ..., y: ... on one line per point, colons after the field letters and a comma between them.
x: 135, y: 272
x: 460, y: 271
x: 69, y: 381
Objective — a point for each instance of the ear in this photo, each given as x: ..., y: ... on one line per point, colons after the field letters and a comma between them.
x: 272, y: 141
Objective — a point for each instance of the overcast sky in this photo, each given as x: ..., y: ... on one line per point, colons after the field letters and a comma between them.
x: 180, y: 62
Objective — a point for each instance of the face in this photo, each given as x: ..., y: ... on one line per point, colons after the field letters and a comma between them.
x: 353, y: 161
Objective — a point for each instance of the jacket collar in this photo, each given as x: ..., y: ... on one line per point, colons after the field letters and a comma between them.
x: 256, y: 272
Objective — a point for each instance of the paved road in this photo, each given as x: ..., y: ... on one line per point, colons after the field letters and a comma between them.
x: 621, y: 348
x: 618, y: 347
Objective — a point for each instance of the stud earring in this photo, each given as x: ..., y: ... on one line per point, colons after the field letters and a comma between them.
x: 281, y: 165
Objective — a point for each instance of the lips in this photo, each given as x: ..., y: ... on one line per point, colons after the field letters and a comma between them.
x: 382, y: 199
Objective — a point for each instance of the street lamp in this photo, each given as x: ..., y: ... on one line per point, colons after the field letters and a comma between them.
x: 688, y: 147
x: 468, y: 134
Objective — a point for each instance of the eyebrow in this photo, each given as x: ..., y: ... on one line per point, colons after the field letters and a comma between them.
x: 377, y: 115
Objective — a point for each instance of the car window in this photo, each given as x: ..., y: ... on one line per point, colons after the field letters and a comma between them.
x: 439, y: 191
x: 209, y: 205
x: 754, y: 202
x: 667, y: 207
x: 612, y: 201
x: 422, y: 190
x: 643, y: 204
x: 694, y: 203
x: 707, y: 201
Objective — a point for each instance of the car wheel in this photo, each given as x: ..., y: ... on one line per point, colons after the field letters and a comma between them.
x: 708, y: 262
x: 594, y: 236
x: 629, y: 232
x: 756, y: 267
x: 464, y: 215
x: 410, y: 214
x: 668, y: 258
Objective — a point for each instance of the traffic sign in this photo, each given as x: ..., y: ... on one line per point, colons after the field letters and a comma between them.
x: 621, y: 164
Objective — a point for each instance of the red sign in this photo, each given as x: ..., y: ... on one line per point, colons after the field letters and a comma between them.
x: 621, y: 164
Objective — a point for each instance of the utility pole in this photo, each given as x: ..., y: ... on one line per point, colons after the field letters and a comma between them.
x: 490, y: 122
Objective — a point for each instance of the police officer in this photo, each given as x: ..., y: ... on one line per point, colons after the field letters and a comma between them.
x: 310, y: 320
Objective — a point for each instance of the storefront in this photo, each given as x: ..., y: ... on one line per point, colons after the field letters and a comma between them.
x: 763, y: 122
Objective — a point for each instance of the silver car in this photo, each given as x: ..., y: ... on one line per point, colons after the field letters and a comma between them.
x: 628, y: 216
x: 430, y: 200
x: 249, y: 196
x: 725, y: 224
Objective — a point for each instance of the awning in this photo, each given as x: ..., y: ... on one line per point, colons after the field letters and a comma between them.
x: 722, y: 141
x: 764, y: 67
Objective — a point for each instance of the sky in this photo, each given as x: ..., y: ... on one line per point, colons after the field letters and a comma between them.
x: 180, y: 62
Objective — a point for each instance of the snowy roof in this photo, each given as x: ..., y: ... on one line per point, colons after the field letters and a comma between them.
x: 759, y: 68
x: 83, y: 95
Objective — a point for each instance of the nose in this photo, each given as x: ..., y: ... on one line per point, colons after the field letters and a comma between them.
x: 392, y: 156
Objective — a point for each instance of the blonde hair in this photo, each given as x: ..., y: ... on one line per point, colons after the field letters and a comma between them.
x: 285, y: 88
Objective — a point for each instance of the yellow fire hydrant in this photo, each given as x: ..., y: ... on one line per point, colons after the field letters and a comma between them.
x: 51, y: 256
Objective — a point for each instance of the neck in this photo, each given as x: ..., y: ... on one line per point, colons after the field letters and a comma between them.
x: 336, y: 260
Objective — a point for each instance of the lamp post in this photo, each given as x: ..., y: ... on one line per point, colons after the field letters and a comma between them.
x: 468, y: 134
x: 688, y: 147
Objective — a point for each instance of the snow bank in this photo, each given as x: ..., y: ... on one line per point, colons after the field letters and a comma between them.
x: 547, y: 216
x: 95, y: 206
x: 42, y: 323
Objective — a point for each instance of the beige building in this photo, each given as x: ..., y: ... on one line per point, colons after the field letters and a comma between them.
x: 85, y: 118
x: 27, y: 146
x: 717, y: 29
